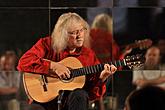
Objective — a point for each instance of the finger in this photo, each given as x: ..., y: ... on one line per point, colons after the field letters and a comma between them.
x: 68, y: 71
x: 64, y: 76
x: 107, y: 67
x: 67, y: 74
x: 60, y: 76
x: 113, y: 68
x: 54, y: 70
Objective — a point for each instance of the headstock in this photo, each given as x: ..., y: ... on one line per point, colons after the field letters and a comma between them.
x: 134, y: 60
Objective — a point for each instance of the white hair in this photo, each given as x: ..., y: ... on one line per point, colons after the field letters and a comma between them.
x: 60, y: 35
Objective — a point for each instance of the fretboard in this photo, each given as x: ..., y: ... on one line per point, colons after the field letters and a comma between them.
x: 95, y: 69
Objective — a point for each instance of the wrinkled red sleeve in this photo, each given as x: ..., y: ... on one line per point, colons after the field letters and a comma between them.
x: 96, y: 89
x: 33, y: 59
x: 94, y: 86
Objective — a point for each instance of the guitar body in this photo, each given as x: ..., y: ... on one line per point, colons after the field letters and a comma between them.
x: 33, y: 83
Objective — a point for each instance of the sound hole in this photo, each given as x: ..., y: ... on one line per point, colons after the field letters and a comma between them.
x: 67, y: 80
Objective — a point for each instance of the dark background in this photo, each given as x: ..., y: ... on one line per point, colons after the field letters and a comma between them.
x: 45, y: 3
x: 23, y: 22
x: 21, y: 28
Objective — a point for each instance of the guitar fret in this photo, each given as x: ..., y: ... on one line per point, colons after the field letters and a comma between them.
x: 85, y: 70
x: 119, y: 63
x: 124, y: 62
x: 78, y: 72
x: 92, y: 69
x: 95, y: 70
x: 100, y: 67
x: 81, y: 71
x: 88, y: 71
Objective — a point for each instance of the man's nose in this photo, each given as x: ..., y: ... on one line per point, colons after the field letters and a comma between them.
x: 78, y: 36
x: 78, y: 32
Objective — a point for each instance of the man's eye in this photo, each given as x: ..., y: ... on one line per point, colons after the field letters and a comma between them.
x: 81, y: 30
x: 72, y: 32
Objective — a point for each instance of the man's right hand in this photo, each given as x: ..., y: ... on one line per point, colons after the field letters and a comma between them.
x: 60, y: 70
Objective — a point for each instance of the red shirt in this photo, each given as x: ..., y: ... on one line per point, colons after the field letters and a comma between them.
x: 104, y: 46
x: 33, y: 61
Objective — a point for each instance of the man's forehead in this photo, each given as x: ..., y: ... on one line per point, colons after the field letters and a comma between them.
x: 75, y: 26
x: 153, y: 50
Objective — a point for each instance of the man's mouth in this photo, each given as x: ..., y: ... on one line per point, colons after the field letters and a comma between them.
x: 79, y: 40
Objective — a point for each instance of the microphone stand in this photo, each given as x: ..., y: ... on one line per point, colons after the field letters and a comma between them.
x: 59, y: 101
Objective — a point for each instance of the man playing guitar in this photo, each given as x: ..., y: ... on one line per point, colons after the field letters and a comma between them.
x: 70, y: 38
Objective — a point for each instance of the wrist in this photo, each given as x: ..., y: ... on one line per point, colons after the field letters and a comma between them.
x: 102, y: 80
x: 53, y: 65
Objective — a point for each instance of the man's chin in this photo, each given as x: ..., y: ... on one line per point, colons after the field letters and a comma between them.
x: 152, y: 65
x: 79, y: 44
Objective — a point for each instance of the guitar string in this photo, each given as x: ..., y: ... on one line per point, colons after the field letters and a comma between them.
x: 94, y: 69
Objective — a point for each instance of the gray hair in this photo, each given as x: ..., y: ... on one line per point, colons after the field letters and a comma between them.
x: 60, y: 34
x: 103, y: 21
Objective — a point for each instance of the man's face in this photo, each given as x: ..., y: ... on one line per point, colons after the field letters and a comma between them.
x: 3, y: 62
x: 76, y: 35
x: 152, y: 56
x: 7, y: 64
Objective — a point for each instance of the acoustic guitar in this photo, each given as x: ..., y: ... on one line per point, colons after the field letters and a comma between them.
x: 43, y: 88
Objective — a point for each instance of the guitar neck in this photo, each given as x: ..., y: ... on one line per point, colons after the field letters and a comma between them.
x: 95, y: 69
